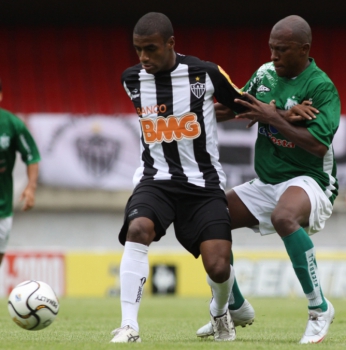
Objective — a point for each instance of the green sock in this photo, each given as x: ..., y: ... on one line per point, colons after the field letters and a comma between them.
x: 236, y: 299
x: 302, y: 254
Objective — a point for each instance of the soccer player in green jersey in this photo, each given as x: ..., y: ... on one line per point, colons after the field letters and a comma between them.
x: 14, y: 136
x: 294, y: 161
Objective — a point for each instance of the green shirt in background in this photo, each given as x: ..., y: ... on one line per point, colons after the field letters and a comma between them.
x: 14, y: 136
x: 276, y: 158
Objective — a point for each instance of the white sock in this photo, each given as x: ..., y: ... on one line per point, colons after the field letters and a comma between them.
x: 134, y: 271
x: 221, y: 292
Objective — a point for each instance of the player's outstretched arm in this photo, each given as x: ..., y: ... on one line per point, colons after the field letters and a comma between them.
x: 28, y: 195
x: 268, y: 114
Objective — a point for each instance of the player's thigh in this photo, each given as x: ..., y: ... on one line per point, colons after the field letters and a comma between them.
x: 196, y: 214
x: 149, y: 208
x: 293, y: 206
x: 239, y: 212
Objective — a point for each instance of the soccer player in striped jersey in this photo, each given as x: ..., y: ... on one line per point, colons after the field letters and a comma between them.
x: 180, y: 179
x: 296, y: 185
x: 14, y: 137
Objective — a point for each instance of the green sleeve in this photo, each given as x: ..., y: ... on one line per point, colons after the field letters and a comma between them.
x: 251, y: 86
x: 327, y: 101
x: 26, y: 145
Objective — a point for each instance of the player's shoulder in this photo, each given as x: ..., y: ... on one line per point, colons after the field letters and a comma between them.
x: 318, y: 73
x: 10, y: 121
x: 193, y: 61
x: 10, y: 117
x: 131, y: 72
x: 266, y: 69
x: 319, y: 77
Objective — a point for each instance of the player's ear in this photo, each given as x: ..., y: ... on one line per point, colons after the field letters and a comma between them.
x: 171, y: 42
x: 0, y: 96
x: 306, y: 48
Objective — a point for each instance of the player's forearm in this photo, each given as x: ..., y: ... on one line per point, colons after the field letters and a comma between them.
x: 32, y: 174
x: 300, y: 136
x: 223, y: 113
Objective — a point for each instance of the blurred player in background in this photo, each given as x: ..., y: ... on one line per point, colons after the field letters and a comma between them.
x: 296, y: 185
x: 14, y: 136
x: 180, y: 179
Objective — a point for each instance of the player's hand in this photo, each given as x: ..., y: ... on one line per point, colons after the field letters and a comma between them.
x: 303, y: 111
x: 254, y: 121
x: 28, y: 198
x: 257, y: 110
x: 222, y: 112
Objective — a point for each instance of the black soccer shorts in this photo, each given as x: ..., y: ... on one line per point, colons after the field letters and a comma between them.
x: 192, y: 209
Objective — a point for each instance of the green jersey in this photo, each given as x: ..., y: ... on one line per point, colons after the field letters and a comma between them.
x: 277, y: 159
x: 14, y: 136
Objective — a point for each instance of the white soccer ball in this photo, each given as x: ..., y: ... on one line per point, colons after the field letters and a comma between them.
x: 33, y: 305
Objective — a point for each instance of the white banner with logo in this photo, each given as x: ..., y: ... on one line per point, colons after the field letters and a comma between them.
x: 103, y: 151
x: 87, y: 152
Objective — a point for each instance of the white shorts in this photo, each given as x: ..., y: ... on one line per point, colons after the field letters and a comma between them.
x: 261, y: 199
x: 5, y: 228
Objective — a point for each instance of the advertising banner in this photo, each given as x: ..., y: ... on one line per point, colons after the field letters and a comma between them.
x: 20, y: 266
x: 86, y: 152
x: 92, y: 274
x: 102, y: 152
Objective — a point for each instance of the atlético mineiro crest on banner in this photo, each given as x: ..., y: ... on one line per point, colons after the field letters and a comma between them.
x: 198, y: 89
x: 4, y: 141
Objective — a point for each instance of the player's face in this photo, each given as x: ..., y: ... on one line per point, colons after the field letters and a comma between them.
x: 289, y: 57
x: 154, y: 53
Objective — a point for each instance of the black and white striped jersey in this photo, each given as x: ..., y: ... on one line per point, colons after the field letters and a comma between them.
x: 177, y: 120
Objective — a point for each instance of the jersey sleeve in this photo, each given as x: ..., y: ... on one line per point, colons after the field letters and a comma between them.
x: 252, y: 85
x: 26, y: 145
x: 225, y: 90
x: 326, y: 99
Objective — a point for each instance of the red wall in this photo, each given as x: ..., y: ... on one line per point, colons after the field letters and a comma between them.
x: 78, y: 69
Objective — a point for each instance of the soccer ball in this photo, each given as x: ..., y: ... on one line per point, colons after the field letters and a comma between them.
x: 33, y: 305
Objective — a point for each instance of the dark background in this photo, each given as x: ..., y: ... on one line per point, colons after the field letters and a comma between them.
x: 68, y: 56
x: 181, y: 12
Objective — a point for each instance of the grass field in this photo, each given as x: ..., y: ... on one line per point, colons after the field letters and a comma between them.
x: 169, y: 323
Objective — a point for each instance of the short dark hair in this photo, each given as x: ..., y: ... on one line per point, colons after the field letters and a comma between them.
x: 154, y: 22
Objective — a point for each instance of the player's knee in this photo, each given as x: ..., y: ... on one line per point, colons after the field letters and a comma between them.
x: 140, y: 232
x: 218, y: 272
x: 283, y: 221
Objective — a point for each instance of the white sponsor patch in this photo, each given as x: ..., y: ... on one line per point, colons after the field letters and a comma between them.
x: 263, y: 88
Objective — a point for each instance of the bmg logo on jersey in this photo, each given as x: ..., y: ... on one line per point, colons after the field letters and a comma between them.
x: 170, y: 128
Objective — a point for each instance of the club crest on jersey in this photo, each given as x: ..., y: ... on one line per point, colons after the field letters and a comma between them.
x: 4, y: 141
x: 198, y: 89
x: 263, y: 88
x: 291, y: 102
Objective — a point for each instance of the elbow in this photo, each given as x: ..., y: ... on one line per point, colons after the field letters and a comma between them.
x: 321, y: 151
